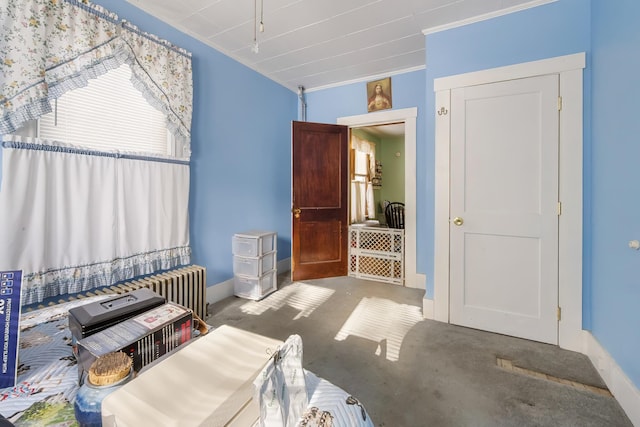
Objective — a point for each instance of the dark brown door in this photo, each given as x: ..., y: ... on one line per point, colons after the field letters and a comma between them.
x: 320, y: 197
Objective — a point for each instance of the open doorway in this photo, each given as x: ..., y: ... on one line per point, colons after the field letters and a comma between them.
x: 376, y: 220
x: 382, y: 148
x: 404, y: 119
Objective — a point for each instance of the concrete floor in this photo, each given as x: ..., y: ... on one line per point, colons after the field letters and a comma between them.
x: 370, y: 339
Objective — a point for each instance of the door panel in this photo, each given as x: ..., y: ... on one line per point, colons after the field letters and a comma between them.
x: 318, y: 243
x: 504, y: 187
x: 320, y: 196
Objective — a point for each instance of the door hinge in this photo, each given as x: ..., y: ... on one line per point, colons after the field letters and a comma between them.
x: 559, y: 103
x: 559, y: 314
x: 559, y: 208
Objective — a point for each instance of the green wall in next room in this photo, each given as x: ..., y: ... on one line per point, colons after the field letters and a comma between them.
x: 392, y: 167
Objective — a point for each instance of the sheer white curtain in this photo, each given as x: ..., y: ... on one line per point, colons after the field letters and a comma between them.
x: 74, y: 219
x: 362, y: 199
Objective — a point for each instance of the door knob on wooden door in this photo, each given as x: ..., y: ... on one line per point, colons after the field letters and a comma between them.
x: 458, y: 221
x: 296, y: 212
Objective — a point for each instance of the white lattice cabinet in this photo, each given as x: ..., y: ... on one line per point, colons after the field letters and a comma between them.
x: 376, y: 253
x: 254, y: 264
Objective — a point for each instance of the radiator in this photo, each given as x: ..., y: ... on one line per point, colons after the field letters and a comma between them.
x: 186, y: 286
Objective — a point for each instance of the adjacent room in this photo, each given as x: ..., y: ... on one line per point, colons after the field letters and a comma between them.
x: 434, y: 199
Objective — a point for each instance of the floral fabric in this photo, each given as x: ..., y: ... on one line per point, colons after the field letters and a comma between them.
x: 47, y: 380
x: 163, y: 74
x: 48, y: 47
x: 70, y: 280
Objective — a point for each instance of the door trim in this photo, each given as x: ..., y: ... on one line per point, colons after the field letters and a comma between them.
x: 408, y: 116
x: 569, y: 68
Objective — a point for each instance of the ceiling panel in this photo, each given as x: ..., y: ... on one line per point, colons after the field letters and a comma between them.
x: 234, y: 40
x: 198, y: 24
x: 316, y: 43
x: 387, y: 49
x: 344, y: 44
x: 299, y: 28
x: 312, y: 13
x: 229, y: 13
x: 169, y: 10
x: 340, y: 28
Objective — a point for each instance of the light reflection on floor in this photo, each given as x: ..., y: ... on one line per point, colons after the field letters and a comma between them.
x: 383, y: 321
x: 301, y: 296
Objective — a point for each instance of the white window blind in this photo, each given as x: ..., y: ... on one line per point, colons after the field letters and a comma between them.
x: 108, y: 114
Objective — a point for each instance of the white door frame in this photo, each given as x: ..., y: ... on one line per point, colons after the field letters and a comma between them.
x: 408, y: 116
x: 569, y: 68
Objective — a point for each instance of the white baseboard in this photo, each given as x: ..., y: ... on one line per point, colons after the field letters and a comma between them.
x: 219, y: 291
x: 427, y: 308
x: 223, y: 290
x: 416, y: 280
x: 625, y: 392
x: 284, y: 265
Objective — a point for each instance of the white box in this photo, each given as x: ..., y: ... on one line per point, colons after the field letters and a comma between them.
x: 254, y: 266
x: 254, y: 243
x: 207, y: 383
x: 255, y: 287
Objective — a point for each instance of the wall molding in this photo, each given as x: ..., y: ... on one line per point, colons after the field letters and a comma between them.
x: 427, y: 309
x: 222, y: 290
x: 486, y: 16
x: 284, y: 265
x: 557, y: 65
x: 622, y: 388
x: 219, y: 291
x: 366, y: 79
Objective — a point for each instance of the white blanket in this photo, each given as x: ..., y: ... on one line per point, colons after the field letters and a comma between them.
x: 327, y: 397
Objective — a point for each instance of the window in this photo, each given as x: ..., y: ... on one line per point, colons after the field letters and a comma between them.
x: 108, y: 114
x: 363, y: 154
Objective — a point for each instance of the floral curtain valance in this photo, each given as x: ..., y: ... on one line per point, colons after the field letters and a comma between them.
x: 48, y: 47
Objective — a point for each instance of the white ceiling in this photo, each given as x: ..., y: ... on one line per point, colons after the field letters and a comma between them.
x: 388, y: 130
x: 319, y: 43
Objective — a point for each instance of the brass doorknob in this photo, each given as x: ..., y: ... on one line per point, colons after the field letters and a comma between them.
x: 458, y: 221
x: 296, y: 212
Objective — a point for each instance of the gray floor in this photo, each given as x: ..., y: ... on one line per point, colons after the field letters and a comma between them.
x: 370, y: 339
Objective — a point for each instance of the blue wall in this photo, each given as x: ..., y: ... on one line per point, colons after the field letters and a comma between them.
x: 608, y: 33
x: 615, y: 272
x: 240, y: 139
x: 241, y: 143
x: 408, y: 90
x: 556, y: 29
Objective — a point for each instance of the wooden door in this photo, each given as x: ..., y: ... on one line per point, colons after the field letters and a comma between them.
x: 320, y: 200
x: 504, y: 207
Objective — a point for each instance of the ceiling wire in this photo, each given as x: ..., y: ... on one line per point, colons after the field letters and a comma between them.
x: 262, y: 16
x: 255, y: 48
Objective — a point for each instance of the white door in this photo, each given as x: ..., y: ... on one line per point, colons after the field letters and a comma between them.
x: 504, y: 208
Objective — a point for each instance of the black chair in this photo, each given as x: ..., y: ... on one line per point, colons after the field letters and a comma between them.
x: 394, y: 214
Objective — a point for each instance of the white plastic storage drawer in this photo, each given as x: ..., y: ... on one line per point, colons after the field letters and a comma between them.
x: 254, y: 266
x: 254, y: 243
x: 255, y: 287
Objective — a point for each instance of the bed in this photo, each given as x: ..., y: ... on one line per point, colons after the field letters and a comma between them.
x: 47, y: 381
